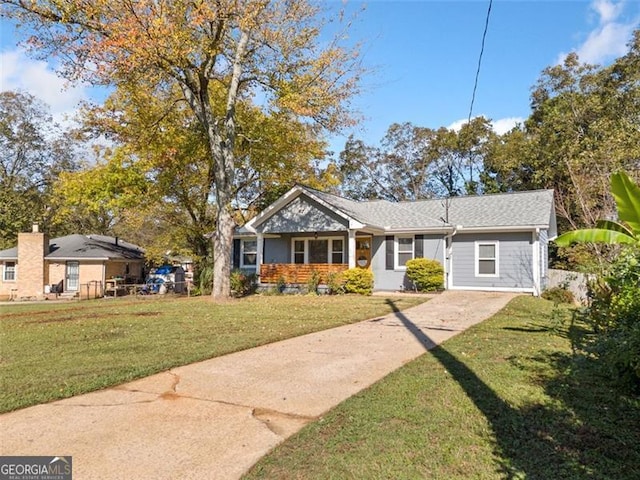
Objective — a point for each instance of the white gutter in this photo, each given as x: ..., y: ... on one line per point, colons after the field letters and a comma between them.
x: 419, y: 230
x: 508, y: 228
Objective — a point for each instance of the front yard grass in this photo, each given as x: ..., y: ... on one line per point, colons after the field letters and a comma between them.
x: 505, y: 399
x: 53, y: 351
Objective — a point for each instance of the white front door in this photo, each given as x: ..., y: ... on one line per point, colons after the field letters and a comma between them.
x: 72, y: 276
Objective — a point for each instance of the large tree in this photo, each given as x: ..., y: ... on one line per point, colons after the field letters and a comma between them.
x: 583, y: 127
x: 33, y: 151
x: 216, y: 53
x: 156, y: 187
x: 413, y: 162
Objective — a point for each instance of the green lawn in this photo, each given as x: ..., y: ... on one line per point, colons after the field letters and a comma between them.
x: 505, y: 399
x: 52, y: 351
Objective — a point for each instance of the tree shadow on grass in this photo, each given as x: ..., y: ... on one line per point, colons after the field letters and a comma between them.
x: 587, y: 430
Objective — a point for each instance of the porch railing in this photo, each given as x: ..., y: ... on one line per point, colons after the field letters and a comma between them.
x: 293, y: 273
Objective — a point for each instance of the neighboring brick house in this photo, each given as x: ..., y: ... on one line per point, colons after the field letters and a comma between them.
x: 73, y: 265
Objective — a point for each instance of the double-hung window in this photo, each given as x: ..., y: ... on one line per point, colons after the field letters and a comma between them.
x: 9, y: 272
x: 487, y: 259
x: 337, y: 250
x: 298, y: 251
x: 404, y: 251
x: 249, y: 253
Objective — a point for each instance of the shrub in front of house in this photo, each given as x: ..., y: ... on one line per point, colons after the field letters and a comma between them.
x: 313, y: 282
x: 558, y: 295
x: 358, y: 280
x: 335, y: 283
x: 241, y: 283
x: 427, y: 275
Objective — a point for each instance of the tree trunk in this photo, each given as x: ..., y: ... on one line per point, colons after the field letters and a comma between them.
x: 222, y: 246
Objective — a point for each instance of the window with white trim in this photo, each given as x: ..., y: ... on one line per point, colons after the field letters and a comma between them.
x: 248, y: 253
x: 318, y: 250
x: 337, y: 250
x: 404, y: 251
x: 298, y: 251
x: 487, y: 259
x: 9, y: 272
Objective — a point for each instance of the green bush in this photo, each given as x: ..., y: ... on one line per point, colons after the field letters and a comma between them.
x: 614, y: 315
x: 358, y: 280
x: 204, y: 278
x: 313, y: 282
x: 558, y: 295
x: 242, y: 283
x: 427, y: 275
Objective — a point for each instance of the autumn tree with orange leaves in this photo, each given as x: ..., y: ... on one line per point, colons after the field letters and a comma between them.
x: 266, y: 49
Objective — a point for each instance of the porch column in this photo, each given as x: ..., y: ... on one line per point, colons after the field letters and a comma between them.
x: 352, y: 248
x: 259, y: 253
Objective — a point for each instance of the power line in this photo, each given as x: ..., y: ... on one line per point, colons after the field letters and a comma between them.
x: 475, y: 84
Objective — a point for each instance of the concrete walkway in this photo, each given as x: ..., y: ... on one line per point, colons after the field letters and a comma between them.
x: 216, y: 418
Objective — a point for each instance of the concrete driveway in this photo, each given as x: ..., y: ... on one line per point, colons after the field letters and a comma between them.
x: 216, y: 418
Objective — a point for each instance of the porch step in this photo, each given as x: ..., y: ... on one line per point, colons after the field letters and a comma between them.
x: 67, y: 295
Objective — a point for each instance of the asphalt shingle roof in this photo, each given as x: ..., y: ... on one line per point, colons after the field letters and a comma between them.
x: 532, y: 208
x: 85, y: 247
x: 379, y: 213
x: 498, y: 210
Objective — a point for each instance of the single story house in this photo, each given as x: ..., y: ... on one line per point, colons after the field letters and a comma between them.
x: 71, y: 265
x: 487, y: 242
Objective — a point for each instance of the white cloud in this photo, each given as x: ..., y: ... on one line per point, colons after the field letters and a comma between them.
x: 607, y: 10
x: 500, y: 126
x: 503, y: 125
x: 608, y: 41
x: 19, y: 72
x: 457, y: 125
x: 609, y: 38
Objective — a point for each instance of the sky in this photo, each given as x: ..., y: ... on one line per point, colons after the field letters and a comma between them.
x: 422, y: 56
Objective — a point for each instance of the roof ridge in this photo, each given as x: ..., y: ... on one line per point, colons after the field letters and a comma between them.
x: 402, y: 205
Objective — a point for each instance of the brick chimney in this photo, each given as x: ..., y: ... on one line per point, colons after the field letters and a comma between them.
x: 32, y: 274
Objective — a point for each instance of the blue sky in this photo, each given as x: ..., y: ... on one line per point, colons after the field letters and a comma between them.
x: 423, y: 56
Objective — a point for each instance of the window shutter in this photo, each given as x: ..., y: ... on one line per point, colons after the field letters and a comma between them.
x: 419, y: 246
x: 389, y: 252
x: 236, y: 253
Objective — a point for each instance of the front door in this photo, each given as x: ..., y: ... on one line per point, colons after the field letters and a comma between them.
x: 72, y: 276
x: 363, y: 252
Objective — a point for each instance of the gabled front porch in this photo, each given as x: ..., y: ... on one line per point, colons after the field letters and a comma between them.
x: 299, y: 236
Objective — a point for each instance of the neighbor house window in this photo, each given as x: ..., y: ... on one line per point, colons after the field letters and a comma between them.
x: 486, y: 259
x: 318, y: 250
x: 9, y: 274
x: 404, y: 251
x: 249, y: 249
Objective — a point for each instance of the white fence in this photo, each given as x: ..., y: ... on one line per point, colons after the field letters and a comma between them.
x: 575, y: 282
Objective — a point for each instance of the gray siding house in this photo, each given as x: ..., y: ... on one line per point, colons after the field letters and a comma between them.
x: 489, y: 242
